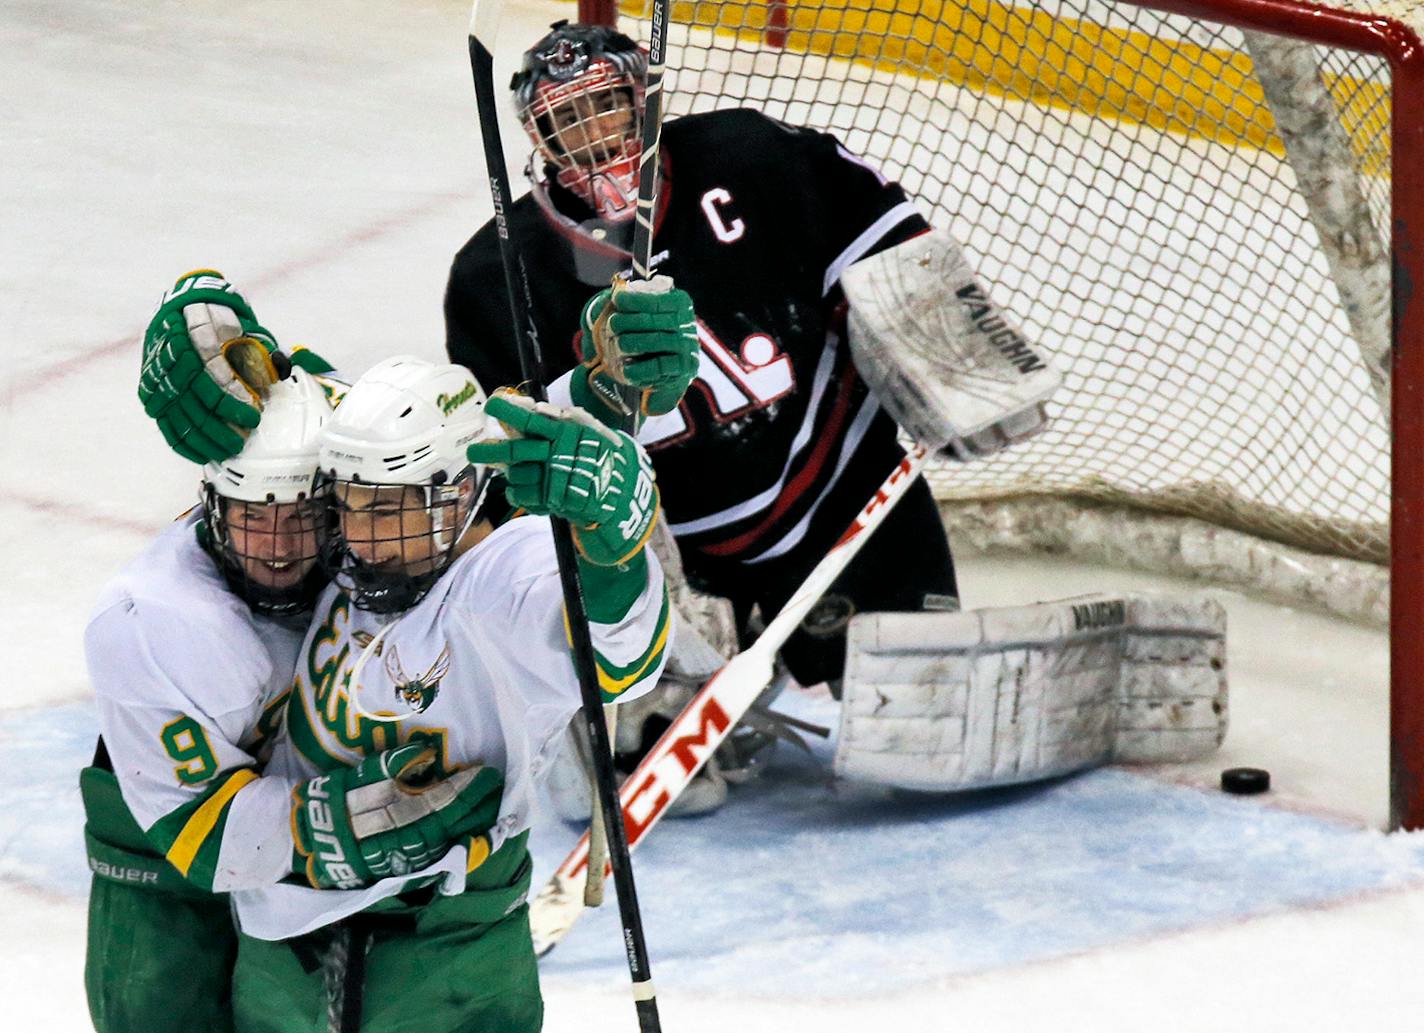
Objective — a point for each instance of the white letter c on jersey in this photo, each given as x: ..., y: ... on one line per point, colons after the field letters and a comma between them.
x: 726, y: 232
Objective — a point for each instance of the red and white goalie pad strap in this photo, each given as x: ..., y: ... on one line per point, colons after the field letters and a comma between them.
x: 953, y: 701
x: 945, y: 361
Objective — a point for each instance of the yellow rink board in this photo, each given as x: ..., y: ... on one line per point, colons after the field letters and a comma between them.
x: 1030, y: 55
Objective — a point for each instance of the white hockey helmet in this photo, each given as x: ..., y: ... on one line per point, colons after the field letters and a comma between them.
x: 405, y: 423
x: 265, y: 518
x: 278, y: 463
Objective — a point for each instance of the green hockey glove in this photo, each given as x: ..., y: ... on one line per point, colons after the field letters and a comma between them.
x: 641, y: 333
x: 564, y: 462
x: 206, y: 363
x: 384, y: 817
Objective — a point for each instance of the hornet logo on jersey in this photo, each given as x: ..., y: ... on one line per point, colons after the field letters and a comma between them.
x: 418, y: 693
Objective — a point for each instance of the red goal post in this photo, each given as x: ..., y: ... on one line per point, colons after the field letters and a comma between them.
x: 1233, y: 371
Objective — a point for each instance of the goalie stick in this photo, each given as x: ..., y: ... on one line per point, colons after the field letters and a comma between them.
x: 709, y: 717
x: 484, y: 24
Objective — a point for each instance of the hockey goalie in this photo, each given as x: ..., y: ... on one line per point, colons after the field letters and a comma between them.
x: 829, y: 320
x: 949, y: 701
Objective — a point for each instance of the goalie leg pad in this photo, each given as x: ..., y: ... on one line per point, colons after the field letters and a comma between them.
x: 704, y: 637
x: 954, y: 701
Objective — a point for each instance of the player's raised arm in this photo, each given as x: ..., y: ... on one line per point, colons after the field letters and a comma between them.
x: 564, y: 463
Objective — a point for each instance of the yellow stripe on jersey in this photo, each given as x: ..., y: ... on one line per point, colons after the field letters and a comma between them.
x: 197, y: 829
x: 610, y: 681
x: 478, y: 853
x: 612, y: 686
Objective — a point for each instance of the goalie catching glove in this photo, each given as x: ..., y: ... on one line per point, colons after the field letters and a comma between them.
x: 207, y: 364
x: 640, y: 334
x: 563, y: 462
x: 384, y: 817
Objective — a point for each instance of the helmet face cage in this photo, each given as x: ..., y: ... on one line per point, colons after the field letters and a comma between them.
x: 270, y: 552
x: 395, y: 541
x: 580, y: 98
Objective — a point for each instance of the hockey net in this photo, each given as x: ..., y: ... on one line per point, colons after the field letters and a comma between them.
x: 1200, y: 221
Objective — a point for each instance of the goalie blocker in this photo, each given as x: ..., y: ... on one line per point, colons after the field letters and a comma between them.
x: 953, y: 701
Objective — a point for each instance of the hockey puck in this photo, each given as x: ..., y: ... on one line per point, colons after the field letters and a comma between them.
x: 1245, y: 781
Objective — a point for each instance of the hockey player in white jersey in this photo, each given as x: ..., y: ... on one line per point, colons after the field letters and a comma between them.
x: 443, y: 632
x: 190, y: 652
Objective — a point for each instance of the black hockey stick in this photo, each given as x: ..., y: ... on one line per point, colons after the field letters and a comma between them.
x: 484, y: 23
x: 629, y: 399
x: 343, y: 970
x: 648, y: 160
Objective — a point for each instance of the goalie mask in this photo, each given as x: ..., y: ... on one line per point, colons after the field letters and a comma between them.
x: 265, y: 517
x: 579, y: 94
x: 403, y: 490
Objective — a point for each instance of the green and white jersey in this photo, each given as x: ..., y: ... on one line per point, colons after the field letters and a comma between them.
x: 191, y: 688
x: 480, y: 668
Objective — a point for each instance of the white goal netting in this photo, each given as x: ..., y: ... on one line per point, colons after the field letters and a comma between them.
x: 1201, y: 247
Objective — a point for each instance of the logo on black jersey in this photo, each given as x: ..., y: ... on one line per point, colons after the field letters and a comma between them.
x: 713, y: 201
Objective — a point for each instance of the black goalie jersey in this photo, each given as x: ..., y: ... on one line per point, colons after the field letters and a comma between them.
x: 778, y: 442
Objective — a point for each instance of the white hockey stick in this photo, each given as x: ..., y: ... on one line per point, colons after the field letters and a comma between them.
x: 710, y: 717
x: 598, y: 831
